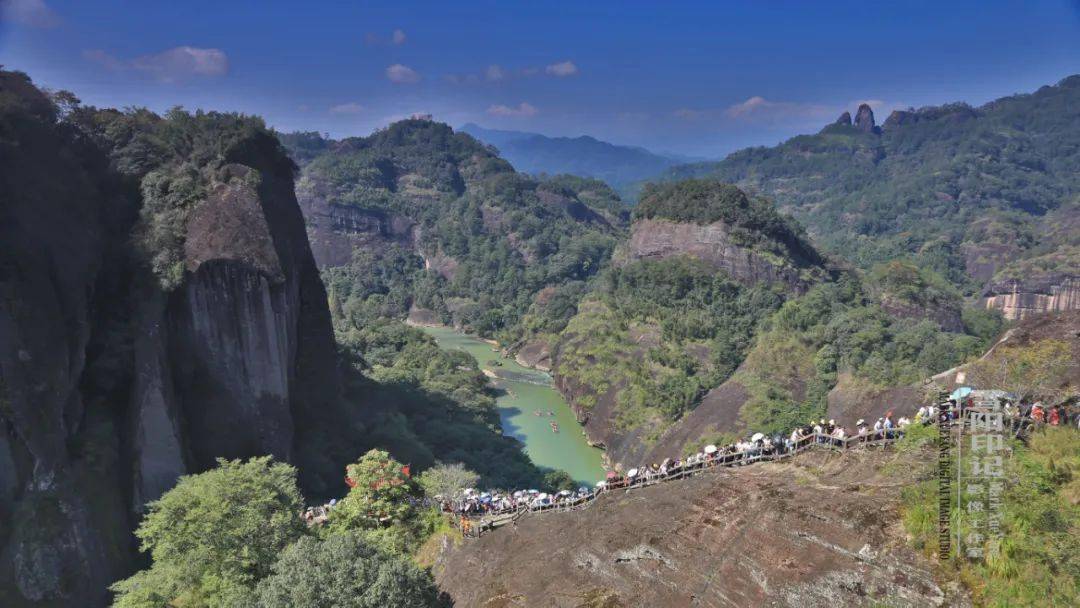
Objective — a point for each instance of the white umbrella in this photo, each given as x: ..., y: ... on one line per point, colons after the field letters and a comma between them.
x: 565, y: 493
x: 518, y: 494
x: 631, y: 473
x: 757, y: 437
x: 710, y: 449
x: 542, y: 496
x: 601, y: 484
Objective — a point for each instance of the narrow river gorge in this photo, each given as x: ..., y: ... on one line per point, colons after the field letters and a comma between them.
x: 529, y: 407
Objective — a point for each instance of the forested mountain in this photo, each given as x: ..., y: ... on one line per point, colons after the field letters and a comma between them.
x: 987, y: 197
x: 418, y: 216
x: 719, y: 316
x: 620, y: 166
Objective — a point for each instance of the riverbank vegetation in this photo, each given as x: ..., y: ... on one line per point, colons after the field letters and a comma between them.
x: 427, y: 405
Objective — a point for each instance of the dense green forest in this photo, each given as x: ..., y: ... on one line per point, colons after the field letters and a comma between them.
x: 662, y: 333
x: 960, y: 189
x: 506, y: 236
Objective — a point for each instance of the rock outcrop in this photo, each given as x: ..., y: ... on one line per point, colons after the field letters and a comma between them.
x: 864, y: 119
x: 1020, y: 298
x: 335, y: 231
x: 657, y: 239
x: 821, y: 531
x: 844, y: 120
x: 110, y: 386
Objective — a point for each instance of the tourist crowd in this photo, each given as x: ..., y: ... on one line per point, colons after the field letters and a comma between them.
x: 473, y: 503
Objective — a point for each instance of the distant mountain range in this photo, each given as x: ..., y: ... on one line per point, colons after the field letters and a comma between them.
x: 989, y: 196
x: 619, y: 166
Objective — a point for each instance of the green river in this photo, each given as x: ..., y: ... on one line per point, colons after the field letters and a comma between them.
x: 522, y: 393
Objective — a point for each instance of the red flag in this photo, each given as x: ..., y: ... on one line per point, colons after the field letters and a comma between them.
x: 405, y: 470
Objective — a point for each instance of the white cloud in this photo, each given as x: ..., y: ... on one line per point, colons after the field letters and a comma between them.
x: 398, y: 37
x: 751, y: 105
x: 32, y: 13
x: 172, y: 65
x: 347, y: 108
x: 522, y: 109
x: 494, y: 73
x: 566, y: 68
x: 402, y: 74
x: 184, y: 61
x: 759, y: 108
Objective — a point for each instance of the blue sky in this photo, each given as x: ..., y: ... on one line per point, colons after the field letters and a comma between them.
x: 700, y: 78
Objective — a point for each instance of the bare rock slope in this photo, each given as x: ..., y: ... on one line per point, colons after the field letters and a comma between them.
x: 818, y: 531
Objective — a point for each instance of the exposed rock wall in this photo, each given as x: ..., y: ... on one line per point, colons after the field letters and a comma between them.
x: 1019, y: 299
x: 657, y: 239
x: 111, y: 388
x: 335, y: 231
x: 624, y: 448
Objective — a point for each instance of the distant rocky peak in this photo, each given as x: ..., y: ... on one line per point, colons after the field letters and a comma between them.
x: 845, y: 119
x: 864, y: 118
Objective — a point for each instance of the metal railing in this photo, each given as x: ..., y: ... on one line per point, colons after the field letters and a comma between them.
x: 475, y: 525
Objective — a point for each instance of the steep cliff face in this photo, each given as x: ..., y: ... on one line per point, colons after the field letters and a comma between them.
x: 112, y: 386
x: 652, y: 239
x: 1020, y: 299
x: 821, y: 531
x: 250, y: 314
x: 337, y: 230
x: 736, y: 233
x: 59, y: 544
